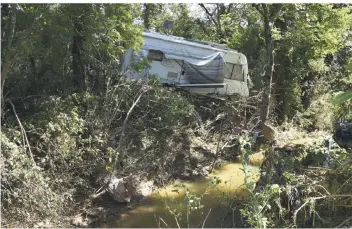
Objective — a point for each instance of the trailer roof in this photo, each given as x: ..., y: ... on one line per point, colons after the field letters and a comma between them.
x: 202, y: 44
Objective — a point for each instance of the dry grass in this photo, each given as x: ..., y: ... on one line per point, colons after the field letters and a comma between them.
x: 294, y: 136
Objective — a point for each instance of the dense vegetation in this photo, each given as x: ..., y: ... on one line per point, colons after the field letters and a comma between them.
x: 68, y: 117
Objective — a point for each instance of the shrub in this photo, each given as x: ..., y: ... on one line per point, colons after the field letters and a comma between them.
x: 27, y: 192
x: 73, y: 141
x: 320, y: 115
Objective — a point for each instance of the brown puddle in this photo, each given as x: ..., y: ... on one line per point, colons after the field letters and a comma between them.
x: 154, y: 211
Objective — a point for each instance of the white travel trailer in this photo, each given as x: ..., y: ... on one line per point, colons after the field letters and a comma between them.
x: 202, y: 67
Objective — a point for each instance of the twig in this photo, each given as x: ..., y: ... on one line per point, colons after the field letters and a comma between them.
x: 24, y: 135
x: 125, y: 124
x: 316, y: 168
x: 343, y: 185
x: 233, y: 216
x: 314, y: 198
x: 98, y: 194
x: 187, y: 216
x: 343, y: 205
x: 178, y: 225
x: 206, y: 218
x: 345, y: 221
x: 158, y: 222
x: 163, y: 221
x: 320, y: 186
x: 217, y: 148
x: 209, y: 15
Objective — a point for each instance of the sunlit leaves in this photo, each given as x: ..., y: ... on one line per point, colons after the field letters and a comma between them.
x: 342, y: 97
x: 320, y: 28
x: 348, y: 67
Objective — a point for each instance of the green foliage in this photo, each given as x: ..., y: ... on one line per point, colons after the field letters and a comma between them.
x: 184, y: 25
x: 342, y: 97
x: 259, y: 206
x: 274, y: 201
x: 348, y: 67
x: 292, y: 95
x: 321, y: 115
x: 43, y: 43
x: 304, y: 35
x: 309, y: 41
x: 28, y: 193
x: 319, y: 27
x: 69, y: 134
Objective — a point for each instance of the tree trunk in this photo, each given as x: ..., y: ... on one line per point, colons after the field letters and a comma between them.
x: 77, y: 63
x: 307, y: 90
x: 279, y: 94
x: 7, y: 37
x: 146, y: 16
x: 264, y: 111
x: 269, y: 14
x: 218, y: 26
x: 4, y: 71
x: 281, y: 75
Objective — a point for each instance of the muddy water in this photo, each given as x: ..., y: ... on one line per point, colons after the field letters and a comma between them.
x: 155, y: 211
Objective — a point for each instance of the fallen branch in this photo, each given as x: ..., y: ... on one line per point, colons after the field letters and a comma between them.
x: 98, y: 194
x: 343, y: 184
x: 345, y: 221
x: 217, y: 148
x: 24, y: 135
x: 158, y: 222
x: 316, y: 168
x: 206, y: 218
x: 163, y: 221
x: 124, y: 125
x: 314, y: 198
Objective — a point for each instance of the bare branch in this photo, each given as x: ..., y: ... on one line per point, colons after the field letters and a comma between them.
x: 275, y: 11
x: 9, y: 34
x: 24, y: 135
x: 345, y: 221
x: 206, y: 218
x: 313, y: 199
x: 229, y: 7
x: 257, y: 7
x: 210, y: 15
x: 120, y: 149
x: 265, y: 10
x: 217, y: 148
x: 163, y: 221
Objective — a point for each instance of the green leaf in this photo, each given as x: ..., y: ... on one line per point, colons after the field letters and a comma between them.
x: 342, y: 97
x: 348, y: 67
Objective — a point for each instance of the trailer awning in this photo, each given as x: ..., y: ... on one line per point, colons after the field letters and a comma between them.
x: 194, y: 60
x: 210, y: 85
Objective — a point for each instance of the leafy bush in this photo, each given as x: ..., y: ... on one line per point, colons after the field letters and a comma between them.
x: 73, y: 141
x: 321, y: 115
x: 28, y: 193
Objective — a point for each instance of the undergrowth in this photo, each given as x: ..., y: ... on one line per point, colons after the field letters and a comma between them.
x: 301, y: 187
x: 54, y: 158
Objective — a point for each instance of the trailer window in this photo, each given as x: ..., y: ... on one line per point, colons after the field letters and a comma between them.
x: 228, y: 68
x: 233, y: 71
x: 237, y: 73
x: 155, y: 55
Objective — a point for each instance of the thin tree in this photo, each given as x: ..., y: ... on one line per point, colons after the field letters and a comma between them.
x: 269, y: 14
